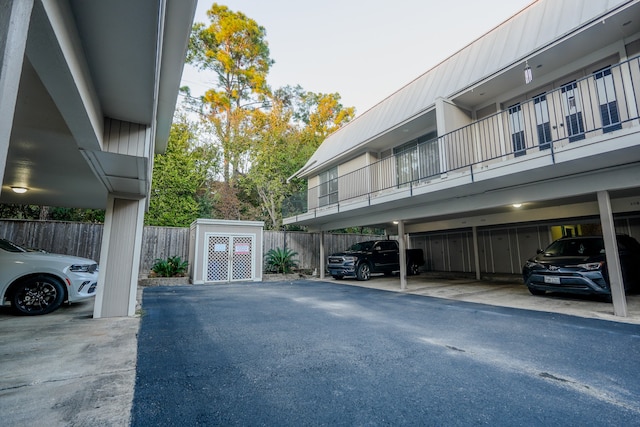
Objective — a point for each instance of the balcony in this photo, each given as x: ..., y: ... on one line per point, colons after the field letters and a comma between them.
x: 583, y: 118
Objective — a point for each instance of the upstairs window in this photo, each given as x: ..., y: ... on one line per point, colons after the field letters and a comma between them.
x: 328, y: 191
x: 516, y: 125
x: 571, y: 103
x: 607, y: 100
x: 543, y: 124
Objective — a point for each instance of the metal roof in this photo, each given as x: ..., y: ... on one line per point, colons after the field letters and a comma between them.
x: 533, y: 29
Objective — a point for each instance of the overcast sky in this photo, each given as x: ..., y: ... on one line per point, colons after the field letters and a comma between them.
x: 363, y: 50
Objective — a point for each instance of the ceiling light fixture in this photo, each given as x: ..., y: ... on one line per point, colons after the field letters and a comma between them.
x: 19, y: 190
x: 517, y: 205
x: 528, y: 74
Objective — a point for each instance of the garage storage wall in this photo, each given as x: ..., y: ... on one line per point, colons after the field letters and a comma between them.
x: 225, y: 251
x: 500, y: 250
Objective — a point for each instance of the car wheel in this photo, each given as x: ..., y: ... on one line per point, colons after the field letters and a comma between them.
x: 364, y: 272
x: 413, y: 269
x: 37, y: 295
x: 337, y: 277
x: 537, y: 291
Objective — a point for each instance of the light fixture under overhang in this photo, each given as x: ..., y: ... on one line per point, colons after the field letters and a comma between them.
x: 19, y: 190
x: 528, y: 74
x: 517, y: 205
x: 395, y: 222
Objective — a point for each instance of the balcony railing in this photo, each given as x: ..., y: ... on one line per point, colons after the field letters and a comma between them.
x: 603, y: 102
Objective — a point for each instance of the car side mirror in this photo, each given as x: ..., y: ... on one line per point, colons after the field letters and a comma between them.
x: 539, y: 251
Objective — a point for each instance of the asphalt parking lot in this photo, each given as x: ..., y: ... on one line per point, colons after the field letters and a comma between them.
x: 66, y: 368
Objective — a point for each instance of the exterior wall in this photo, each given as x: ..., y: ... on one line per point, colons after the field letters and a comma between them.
x: 202, y: 230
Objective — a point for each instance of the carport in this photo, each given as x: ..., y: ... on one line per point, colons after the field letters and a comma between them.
x: 88, y: 94
x: 476, y: 232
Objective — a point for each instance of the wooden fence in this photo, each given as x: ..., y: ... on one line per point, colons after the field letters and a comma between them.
x: 84, y: 239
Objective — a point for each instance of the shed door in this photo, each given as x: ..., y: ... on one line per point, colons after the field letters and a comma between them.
x: 229, y: 258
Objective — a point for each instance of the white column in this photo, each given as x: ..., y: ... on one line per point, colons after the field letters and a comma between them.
x: 14, y: 27
x: 322, y: 257
x: 402, y: 246
x: 120, y: 258
x: 476, y: 252
x: 613, y: 259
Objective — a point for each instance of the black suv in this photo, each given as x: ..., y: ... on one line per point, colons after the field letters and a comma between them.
x: 578, y: 265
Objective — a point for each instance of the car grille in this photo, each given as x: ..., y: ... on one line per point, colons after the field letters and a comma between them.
x: 335, y: 260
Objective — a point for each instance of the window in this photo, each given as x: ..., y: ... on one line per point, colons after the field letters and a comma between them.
x: 516, y: 125
x: 572, y: 111
x: 406, y: 163
x: 417, y: 159
x: 543, y: 124
x: 607, y: 100
x: 328, y: 191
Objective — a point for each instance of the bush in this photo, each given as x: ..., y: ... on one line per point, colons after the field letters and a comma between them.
x: 281, y: 260
x: 170, y: 267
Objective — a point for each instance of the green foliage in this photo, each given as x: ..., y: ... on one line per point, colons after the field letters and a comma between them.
x: 45, y: 213
x: 263, y: 136
x: 170, y: 267
x: 178, y: 174
x: 281, y: 260
x: 234, y: 47
x: 77, y: 215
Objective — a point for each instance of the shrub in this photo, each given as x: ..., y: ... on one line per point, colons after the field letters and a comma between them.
x: 281, y: 260
x: 170, y: 267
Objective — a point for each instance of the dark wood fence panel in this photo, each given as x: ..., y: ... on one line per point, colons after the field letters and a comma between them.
x: 307, y: 245
x: 162, y: 242
x: 85, y: 239
x: 70, y: 238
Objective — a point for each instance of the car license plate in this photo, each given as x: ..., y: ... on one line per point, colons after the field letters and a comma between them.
x: 554, y: 280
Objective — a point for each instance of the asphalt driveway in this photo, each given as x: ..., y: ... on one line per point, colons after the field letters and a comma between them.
x: 318, y: 353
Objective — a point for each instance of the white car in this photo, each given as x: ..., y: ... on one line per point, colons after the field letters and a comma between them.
x: 36, y: 282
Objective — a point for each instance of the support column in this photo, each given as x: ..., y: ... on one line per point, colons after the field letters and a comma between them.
x: 613, y: 258
x: 402, y: 246
x: 14, y: 27
x: 322, y: 257
x: 120, y: 258
x: 476, y: 252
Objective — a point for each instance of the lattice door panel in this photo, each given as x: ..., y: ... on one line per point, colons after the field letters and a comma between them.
x: 218, y: 259
x: 242, y: 258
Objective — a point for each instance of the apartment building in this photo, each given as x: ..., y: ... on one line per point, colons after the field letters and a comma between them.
x: 526, y: 134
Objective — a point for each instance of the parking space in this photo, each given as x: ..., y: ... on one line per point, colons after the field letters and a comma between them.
x: 70, y: 369
x: 505, y: 291
x: 66, y: 368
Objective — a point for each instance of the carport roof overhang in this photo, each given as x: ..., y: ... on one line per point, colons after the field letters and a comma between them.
x: 85, y: 62
x: 487, y: 203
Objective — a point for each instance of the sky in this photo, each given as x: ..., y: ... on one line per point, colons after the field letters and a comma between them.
x: 362, y: 50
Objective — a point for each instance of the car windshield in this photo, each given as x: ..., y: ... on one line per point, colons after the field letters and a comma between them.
x: 10, y: 247
x: 364, y: 246
x: 575, y: 247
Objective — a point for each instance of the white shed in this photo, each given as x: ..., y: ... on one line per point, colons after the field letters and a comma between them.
x: 225, y: 251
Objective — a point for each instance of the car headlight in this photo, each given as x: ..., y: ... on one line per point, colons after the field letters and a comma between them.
x: 592, y: 265
x: 350, y: 258
x: 83, y: 268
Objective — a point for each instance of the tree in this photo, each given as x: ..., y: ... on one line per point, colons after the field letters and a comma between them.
x: 178, y: 174
x: 233, y: 46
x: 286, y: 136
